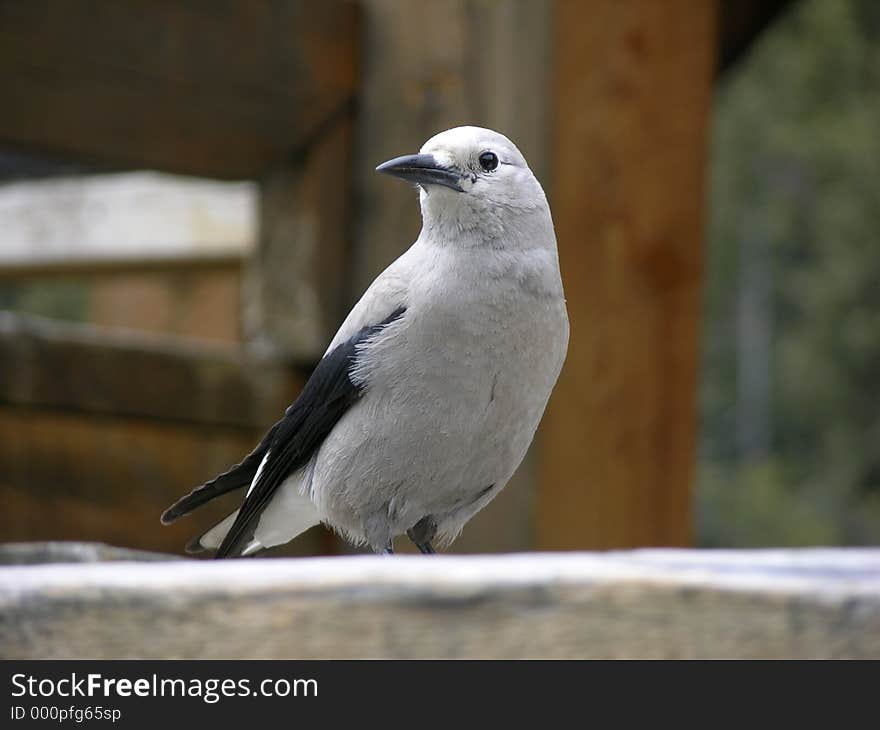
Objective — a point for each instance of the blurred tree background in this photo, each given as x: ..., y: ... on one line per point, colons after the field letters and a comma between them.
x: 790, y: 449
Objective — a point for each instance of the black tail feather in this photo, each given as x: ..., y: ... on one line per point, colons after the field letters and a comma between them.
x: 235, y: 478
x: 240, y: 475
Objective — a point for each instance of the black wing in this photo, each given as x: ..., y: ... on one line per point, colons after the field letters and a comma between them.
x: 327, y: 395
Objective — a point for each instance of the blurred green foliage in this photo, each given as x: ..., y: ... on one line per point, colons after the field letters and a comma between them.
x: 59, y: 298
x: 790, y: 401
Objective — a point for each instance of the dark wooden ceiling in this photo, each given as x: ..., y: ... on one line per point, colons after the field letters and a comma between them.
x: 222, y: 90
x: 741, y: 22
x: 213, y: 89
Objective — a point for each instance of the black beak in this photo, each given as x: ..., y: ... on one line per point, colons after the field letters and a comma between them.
x: 422, y: 169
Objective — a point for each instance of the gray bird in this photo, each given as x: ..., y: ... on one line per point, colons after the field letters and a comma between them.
x: 430, y: 393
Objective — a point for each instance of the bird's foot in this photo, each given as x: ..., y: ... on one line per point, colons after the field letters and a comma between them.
x: 426, y: 548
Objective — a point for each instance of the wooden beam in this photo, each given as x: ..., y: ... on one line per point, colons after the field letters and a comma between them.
x: 78, y: 368
x: 215, y: 89
x: 632, y: 101
x: 133, y: 216
x: 295, y: 279
x: 54, y: 269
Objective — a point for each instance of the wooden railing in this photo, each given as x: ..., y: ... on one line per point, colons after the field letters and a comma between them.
x: 100, y: 430
x: 642, y: 604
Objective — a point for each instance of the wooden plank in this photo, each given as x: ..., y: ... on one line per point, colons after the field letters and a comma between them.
x: 131, y: 216
x: 670, y: 604
x: 78, y: 477
x: 632, y: 100
x: 109, y: 266
x: 59, y: 366
x: 214, y: 89
x: 295, y: 279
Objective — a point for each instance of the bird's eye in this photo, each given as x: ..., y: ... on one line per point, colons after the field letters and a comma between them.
x: 488, y: 161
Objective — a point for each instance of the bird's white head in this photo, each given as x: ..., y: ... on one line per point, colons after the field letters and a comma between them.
x: 474, y: 181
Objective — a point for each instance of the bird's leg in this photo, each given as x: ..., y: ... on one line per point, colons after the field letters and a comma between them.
x: 388, y: 550
x: 422, y: 533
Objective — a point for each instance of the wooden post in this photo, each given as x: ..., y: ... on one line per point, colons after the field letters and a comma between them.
x: 295, y: 280
x: 631, y: 106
